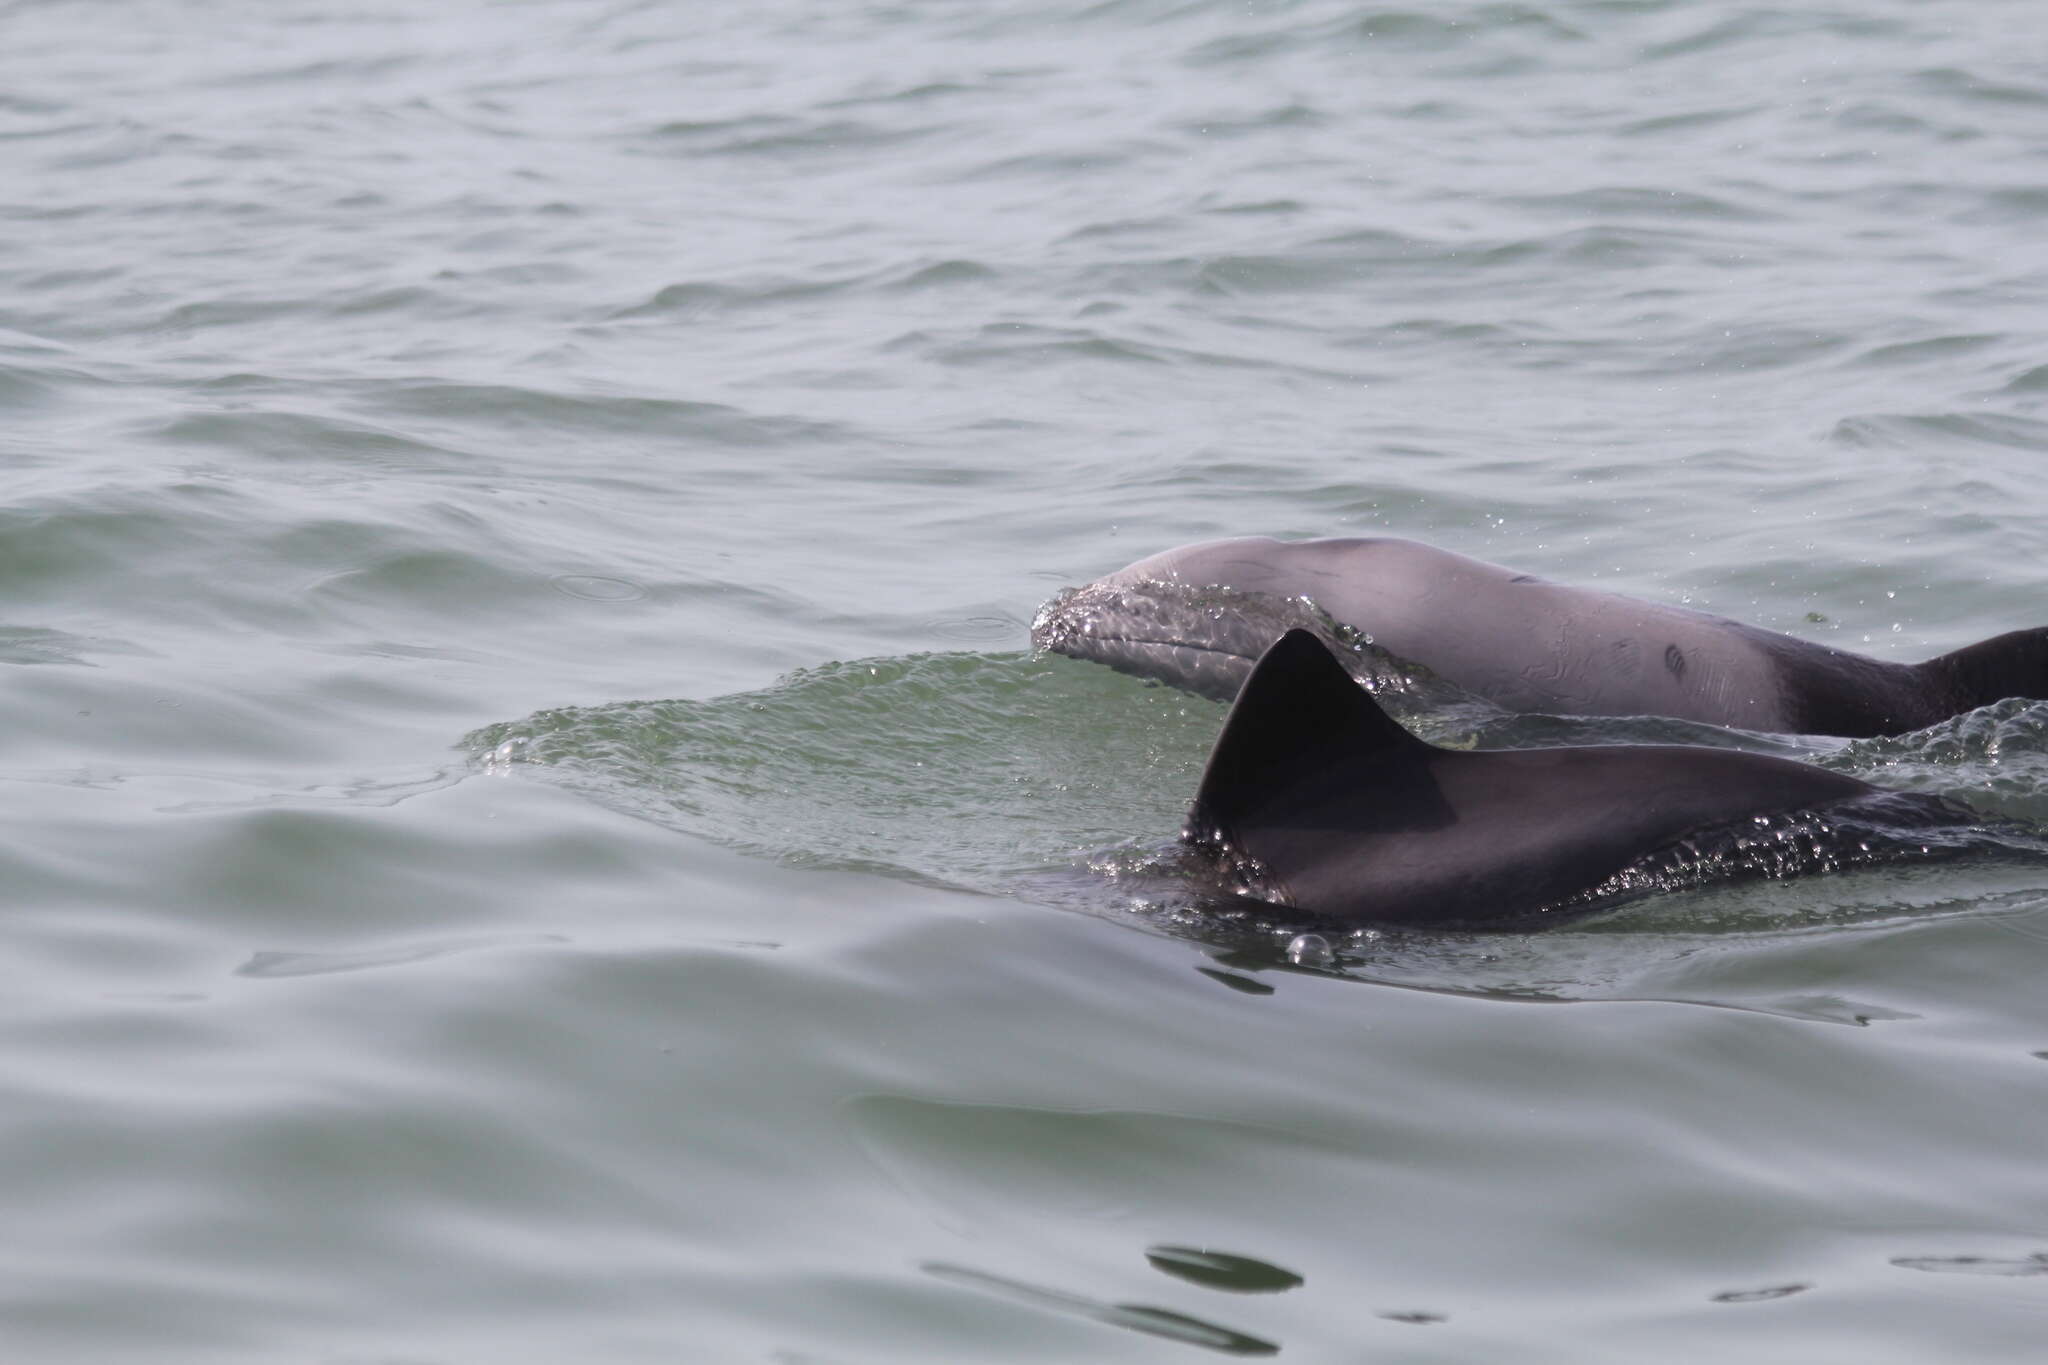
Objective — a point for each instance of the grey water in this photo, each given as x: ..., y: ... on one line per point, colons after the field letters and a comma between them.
x: 534, y: 831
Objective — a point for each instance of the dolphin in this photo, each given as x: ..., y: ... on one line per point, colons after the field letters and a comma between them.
x: 1316, y: 801
x: 1197, y: 617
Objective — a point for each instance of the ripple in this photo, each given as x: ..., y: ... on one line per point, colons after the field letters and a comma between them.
x: 1136, y: 1317
x: 1780, y: 1291
x: 1629, y: 202
x: 597, y: 587
x: 2009, y: 205
x: 432, y: 580
x: 1245, y: 48
x: 671, y: 418
x: 1761, y: 25
x: 1222, y: 1270
x: 41, y: 645
x: 1692, y: 120
x: 1736, y: 350
x: 944, y: 274
x: 1292, y: 115
x: 276, y: 965
x: 1958, y: 84
x: 697, y: 299
x: 1929, y: 349
x: 1053, y: 165
x: 96, y: 538
x: 779, y: 138
x: 338, y: 447
x: 1436, y: 31
x: 2007, y: 1266
x: 2029, y: 381
x: 1907, y: 431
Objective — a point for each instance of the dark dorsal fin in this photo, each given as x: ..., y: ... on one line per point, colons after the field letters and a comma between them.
x: 1299, y: 712
x: 2011, y: 665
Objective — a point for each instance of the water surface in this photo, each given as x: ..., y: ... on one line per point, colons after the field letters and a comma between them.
x: 705, y: 400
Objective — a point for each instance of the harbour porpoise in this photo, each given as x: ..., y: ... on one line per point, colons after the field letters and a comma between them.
x: 1522, y: 643
x: 1317, y: 802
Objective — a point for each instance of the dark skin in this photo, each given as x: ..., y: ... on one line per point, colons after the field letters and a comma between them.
x: 1320, y: 803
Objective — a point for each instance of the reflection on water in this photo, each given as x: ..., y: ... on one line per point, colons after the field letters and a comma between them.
x: 1137, y: 1317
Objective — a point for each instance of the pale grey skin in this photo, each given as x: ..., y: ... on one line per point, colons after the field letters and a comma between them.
x: 1526, y: 644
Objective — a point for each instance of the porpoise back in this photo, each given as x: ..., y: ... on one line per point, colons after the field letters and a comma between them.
x: 1321, y: 803
x: 1516, y: 640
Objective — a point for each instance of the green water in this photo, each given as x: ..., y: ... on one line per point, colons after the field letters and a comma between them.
x: 535, y: 833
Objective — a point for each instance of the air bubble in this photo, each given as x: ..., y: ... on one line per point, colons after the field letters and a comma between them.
x: 498, y: 762
x: 1310, y: 950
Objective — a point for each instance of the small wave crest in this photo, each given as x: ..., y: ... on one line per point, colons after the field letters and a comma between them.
x: 999, y: 773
